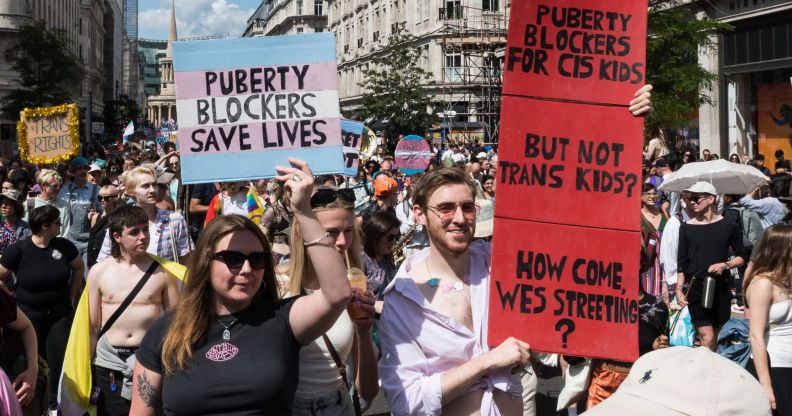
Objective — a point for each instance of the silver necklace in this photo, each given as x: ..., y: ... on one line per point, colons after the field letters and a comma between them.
x: 227, y: 331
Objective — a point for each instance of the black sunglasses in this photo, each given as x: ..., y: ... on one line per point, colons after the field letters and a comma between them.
x: 326, y: 196
x: 106, y: 197
x: 235, y: 260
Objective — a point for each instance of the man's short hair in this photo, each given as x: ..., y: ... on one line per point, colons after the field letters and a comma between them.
x: 41, y: 216
x: 45, y: 175
x: 437, y: 178
x: 759, y: 156
x: 779, y: 153
x: 123, y: 216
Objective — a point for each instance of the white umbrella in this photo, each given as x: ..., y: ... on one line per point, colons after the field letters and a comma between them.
x: 725, y: 176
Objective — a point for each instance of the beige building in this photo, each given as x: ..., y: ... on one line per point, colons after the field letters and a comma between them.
x: 463, y: 43
x: 163, y: 105
x: 287, y: 17
x: 91, y: 34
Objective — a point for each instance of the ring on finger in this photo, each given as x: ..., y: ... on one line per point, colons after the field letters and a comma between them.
x: 296, y: 178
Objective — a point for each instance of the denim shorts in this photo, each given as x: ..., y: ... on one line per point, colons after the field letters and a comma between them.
x: 337, y: 403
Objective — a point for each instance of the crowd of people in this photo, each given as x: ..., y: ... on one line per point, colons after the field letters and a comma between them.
x: 311, y: 295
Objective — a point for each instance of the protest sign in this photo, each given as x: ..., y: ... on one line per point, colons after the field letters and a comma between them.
x: 583, y: 50
x: 246, y: 105
x: 577, y: 168
x: 352, y: 136
x: 413, y: 155
x: 567, y: 223
x: 48, y: 134
x: 565, y: 289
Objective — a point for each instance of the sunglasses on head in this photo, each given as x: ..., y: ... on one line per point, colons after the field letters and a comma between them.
x: 324, y: 196
x: 235, y: 260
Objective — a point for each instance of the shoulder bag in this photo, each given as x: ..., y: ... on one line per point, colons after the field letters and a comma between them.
x: 342, y: 371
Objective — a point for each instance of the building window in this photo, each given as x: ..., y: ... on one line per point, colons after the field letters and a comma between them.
x: 453, y: 66
x: 319, y: 30
x: 299, y: 30
x: 490, y: 5
x: 319, y: 7
x: 299, y: 7
x: 453, y: 9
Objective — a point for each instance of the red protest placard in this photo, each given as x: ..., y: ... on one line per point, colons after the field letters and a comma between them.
x: 567, y: 163
x: 565, y: 289
x: 566, y: 241
x: 579, y: 50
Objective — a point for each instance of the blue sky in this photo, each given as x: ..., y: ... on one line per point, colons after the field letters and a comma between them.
x: 194, y: 17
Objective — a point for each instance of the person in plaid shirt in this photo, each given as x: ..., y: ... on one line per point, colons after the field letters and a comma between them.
x: 169, y: 237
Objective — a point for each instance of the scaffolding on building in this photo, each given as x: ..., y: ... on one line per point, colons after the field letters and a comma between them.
x: 473, y: 42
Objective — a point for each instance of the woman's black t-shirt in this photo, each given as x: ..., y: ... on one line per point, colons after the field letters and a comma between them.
x: 255, y: 372
x: 702, y: 245
x: 43, y: 274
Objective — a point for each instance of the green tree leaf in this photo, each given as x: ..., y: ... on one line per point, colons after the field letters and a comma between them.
x: 48, y: 71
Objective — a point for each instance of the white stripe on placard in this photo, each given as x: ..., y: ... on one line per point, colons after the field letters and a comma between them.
x: 257, y: 108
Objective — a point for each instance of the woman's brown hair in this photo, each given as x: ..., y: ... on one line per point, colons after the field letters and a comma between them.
x: 193, y: 315
x: 774, y: 259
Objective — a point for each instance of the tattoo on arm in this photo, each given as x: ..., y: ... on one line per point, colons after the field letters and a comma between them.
x: 147, y: 392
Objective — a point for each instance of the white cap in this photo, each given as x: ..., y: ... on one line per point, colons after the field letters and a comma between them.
x: 686, y: 381
x: 94, y: 167
x: 702, y: 187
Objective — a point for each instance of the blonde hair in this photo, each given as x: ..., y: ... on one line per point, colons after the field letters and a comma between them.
x: 774, y: 259
x: 131, y: 177
x: 193, y: 315
x: 300, y: 265
x: 44, y: 176
x: 109, y: 189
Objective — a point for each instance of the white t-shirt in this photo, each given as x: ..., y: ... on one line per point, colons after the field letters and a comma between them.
x: 236, y: 204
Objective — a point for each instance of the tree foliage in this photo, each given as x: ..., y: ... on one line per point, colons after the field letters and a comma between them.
x: 681, y: 84
x: 394, y: 88
x: 48, y: 71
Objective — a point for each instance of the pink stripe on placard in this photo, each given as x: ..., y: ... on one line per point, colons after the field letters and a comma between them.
x: 193, y: 141
x: 320, y: 76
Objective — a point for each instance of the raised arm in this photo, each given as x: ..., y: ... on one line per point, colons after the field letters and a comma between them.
x: 312, y: 315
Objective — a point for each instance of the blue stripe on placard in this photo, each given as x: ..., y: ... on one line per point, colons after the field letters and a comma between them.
x: 239, y: 166
x: 215, y: 54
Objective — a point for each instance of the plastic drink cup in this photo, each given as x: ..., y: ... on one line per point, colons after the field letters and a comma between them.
x: 359, y: 283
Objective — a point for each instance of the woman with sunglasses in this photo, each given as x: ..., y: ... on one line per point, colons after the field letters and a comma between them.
x: 734, y: 158
x: 322, y: 388
x: 108, y: 201
x: 653, y: 221
x: 231, y: 346
x: 380, y: 233
x: 50, y: 183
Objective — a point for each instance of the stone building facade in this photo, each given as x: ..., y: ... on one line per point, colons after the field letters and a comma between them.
x: 287, y: 17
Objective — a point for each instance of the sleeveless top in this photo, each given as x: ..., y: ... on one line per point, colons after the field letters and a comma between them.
x: 779, y: 337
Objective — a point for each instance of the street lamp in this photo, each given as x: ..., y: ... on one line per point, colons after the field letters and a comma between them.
x: 448, y: 116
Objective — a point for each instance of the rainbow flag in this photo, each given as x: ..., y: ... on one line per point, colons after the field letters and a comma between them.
x: 255, y: 207
x: 74, y: 390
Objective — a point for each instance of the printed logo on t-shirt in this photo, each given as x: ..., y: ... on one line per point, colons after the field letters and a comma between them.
x: 222, y: 352
x: 57, y: 255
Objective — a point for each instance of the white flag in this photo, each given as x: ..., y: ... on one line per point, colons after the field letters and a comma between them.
x: 130, y: 129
